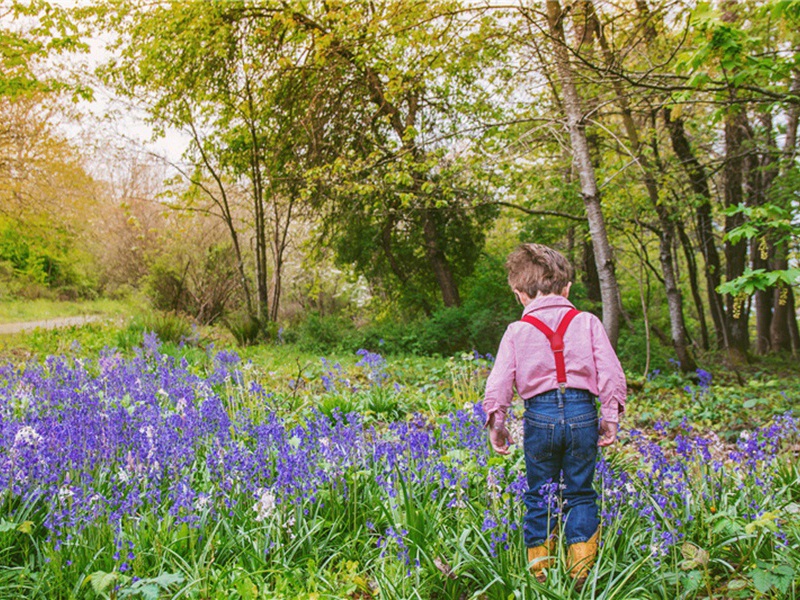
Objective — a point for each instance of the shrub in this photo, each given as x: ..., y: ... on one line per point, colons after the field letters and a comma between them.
x: 246, y: 329
x: 200, y: 286
x: 169, y: 327
x: 323, y: 333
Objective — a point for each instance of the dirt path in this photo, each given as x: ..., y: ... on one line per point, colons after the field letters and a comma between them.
x: 8, y: 328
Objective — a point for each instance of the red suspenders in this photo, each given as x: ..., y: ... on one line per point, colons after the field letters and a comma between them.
x: 556, y: 342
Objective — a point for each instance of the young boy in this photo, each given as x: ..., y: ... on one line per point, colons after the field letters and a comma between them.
x: 560, y: 360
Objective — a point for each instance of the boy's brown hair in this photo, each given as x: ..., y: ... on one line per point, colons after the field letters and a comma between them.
x: 534, y: 269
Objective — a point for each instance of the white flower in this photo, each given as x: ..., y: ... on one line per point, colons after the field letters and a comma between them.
x: 180, y: 406
x: 265, y: 505
x: 65, y: 493
x: 27, y: 436
x: 202, y: 502
x: 149, y: 431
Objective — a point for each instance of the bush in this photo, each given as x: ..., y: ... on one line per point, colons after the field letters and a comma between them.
x: 37, y: 262
x: 324, y: 333
x: 246, y: 330
x: 201, y: 287
x: 170, y: 327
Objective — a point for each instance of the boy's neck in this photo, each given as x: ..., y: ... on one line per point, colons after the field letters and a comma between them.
x: 526, y: 300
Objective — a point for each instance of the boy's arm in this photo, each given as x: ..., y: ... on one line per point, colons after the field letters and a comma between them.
x: 611, y: 383
x: 500, y: 384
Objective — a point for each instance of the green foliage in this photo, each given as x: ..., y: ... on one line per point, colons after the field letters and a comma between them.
x: 42, y: 256
x: 632, y: 350
x: 49, y: 31
x: 170, y: 327
x: 323, y: 333
x: 765, y: 224
x: 124, y: 587
x: 245, y: 329
x: 199, y: 286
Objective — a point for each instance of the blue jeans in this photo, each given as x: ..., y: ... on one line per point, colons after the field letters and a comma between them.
x: 560, y: 437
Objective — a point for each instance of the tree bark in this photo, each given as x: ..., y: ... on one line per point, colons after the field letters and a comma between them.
x: 691, y: 265
x: 667, y: 227
x: 783, y: 329
x: 780, y: 335
x: 791, y: 322
x: 438, y: 261
x: 736, y: 128
x: 591, y: 279
x: 735, y: 253
x: 609, y: 287
x: 698, y: 180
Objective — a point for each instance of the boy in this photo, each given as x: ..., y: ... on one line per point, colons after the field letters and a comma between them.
x: 560, y: 360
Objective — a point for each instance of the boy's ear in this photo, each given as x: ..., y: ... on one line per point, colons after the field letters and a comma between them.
x: 565, y: 293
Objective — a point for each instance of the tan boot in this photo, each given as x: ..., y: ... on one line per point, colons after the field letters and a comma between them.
x: 539, y: 556
x: 580, y: 558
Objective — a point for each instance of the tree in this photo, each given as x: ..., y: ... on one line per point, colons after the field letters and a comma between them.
x: 210, y: 70
x: 583, y: 162
x: 399, y: 189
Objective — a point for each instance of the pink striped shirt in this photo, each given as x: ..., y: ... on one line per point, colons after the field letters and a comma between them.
x: 526, y: 362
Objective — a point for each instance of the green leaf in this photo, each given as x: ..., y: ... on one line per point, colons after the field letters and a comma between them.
x: 694, y: 556
x: 762, y: 580
x: 7, y: 526
x: 247, y: 589
x: 750, y: 403
x: 102, y: 580
x: 148, y: 591
x: 165, y: 580
x: 692, y: 580
x: 25, y: 527
x: 737, y: 584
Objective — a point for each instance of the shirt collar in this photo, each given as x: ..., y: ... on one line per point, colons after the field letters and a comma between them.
x: 547, y: 302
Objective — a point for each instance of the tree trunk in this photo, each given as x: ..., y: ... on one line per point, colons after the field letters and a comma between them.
x: 591, y: 279
x: 780, y: 335
x: 791, y: 322
x: 691, y: 265
x: 735, y: 254
x: 259, y: 214
x: 704, y: 222
x: 280, y: 236
x: 667, y: 228
x: 783, y: 329
x: 438, y: 261
x: 609, y: 288
x: 736, y: 128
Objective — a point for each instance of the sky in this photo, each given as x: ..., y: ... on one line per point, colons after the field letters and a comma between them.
x: 109, y: 118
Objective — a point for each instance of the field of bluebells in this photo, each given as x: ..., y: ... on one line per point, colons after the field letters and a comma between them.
x: 150, y: 476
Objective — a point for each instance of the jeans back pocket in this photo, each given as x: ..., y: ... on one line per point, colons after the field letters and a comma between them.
x: 583, y: 437
x: 538, y: 438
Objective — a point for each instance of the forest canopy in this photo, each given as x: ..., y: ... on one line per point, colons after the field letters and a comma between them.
x: 361, y: 166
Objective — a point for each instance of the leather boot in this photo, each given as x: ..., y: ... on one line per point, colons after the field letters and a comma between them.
x: 580, y: 558
x: 541, y: 555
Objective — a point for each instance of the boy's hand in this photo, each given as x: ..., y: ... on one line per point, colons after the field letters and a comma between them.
x: 500, y: 439
x: 608, y: 433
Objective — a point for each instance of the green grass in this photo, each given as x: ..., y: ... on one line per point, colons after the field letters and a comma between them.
x: 20, y: 311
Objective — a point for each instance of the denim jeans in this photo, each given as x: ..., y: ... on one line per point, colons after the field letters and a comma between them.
x: 560, y: 437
